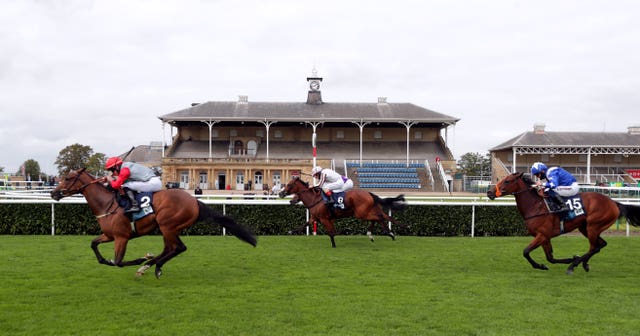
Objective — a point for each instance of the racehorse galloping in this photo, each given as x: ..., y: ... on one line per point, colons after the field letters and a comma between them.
x: 601, y: 212
x: 174, y: 210
x: 358, y: 203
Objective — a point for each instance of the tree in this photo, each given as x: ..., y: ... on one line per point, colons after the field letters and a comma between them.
x: 79, y: 156
x: 95, y: 166
x: 475, y: 164
x: 32, y: 170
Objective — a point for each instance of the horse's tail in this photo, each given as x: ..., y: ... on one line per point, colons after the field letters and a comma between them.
x: 209, y: 215
x: 631, y: 212
x: 397, y: 203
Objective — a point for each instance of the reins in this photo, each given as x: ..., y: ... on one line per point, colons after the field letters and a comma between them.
x: 82, y: 189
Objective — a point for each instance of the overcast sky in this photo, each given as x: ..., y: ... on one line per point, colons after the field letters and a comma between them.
x: 99, y: 73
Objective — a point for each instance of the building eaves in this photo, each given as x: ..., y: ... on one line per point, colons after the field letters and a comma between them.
x: 327, y: 112
x: 571, y: 139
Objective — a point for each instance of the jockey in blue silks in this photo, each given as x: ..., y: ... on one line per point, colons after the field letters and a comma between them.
x: 559, y: 183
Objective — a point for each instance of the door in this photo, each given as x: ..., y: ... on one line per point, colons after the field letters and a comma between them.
x: 222, y: 182
x: 240, y: 181
x: 257, y: 181
x: 204, y: 184
x: 184, y: 180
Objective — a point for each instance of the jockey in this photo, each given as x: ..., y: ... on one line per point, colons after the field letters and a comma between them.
x: 330, y: 181
x: 131, y: 176
x: 559, y: 183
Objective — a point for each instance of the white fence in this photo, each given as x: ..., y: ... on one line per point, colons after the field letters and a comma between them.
x: 244, y: 199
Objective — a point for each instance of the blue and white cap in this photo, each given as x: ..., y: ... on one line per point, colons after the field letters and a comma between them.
x: 538, y: 168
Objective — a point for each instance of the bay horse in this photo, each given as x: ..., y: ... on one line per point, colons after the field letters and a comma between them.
x: 358, y: 203
x: 174, y: 210
x: 600, y: 213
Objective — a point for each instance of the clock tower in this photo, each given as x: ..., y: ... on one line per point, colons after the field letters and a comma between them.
x: 314, y: 97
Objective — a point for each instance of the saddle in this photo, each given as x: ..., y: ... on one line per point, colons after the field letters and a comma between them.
x: 574, y: 203
x: 335, y: 201
x: 145, y: 200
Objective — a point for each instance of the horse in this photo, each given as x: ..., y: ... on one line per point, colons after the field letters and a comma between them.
x: 173, y: 210
x: 600, y: 213
x: 358, y: 203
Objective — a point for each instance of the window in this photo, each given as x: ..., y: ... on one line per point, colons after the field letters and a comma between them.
x: 417, y: 135
x: 377, y: 135
x: 233, y: 132
x: 215, y: 134
x: 339, y: 134
x: 260, y: 133
x: 277, y: 134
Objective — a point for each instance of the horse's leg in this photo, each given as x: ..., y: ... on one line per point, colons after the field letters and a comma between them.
x: 382, y: 219
x: 174, y: 246
x: 152, y: 261
x: 596, y: 243
x: 537, y: 241
x: 548, y: 251
x: 330, y: 228
x: 94, y: 246
x: 370, y: 230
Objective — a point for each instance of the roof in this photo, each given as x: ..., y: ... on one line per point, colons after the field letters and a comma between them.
x: 150, y: 155
x: 292, y: 111
x: 571, y: 139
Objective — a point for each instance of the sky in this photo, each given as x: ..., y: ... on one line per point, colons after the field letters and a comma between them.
x: 100, y: 73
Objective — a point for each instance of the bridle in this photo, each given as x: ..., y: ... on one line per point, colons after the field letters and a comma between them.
x: 515, y: 193
x: 68, y: 192
x: 306, y: 189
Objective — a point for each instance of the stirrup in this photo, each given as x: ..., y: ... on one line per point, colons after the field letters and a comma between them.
x: 132, y: 209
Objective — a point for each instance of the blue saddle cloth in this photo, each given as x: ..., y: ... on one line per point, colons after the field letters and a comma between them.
x: 145, y: 200
x: 574, y: 203
x: 338, y: 199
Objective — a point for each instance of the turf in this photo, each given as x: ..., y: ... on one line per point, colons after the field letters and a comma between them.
x: 301, y: 286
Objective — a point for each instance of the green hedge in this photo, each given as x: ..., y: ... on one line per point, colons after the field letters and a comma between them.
x: 417, y: 220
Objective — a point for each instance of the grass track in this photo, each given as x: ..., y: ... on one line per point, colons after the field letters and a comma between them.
x: 300, y: 286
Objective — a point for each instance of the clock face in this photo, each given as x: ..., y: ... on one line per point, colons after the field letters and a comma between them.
x: 314, y: 85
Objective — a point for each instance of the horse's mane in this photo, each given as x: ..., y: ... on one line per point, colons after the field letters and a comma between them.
x: 526, y: 177
x: 306, y: 184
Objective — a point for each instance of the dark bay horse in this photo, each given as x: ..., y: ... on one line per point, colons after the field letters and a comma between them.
x: 358, y: 203
x: 174, y: 210
x: 601, y: 212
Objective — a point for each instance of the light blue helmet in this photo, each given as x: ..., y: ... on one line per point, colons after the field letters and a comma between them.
x: 538, y: 168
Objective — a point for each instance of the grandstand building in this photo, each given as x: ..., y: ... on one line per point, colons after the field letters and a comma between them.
x: 246, y: 145
x: 595, y: 158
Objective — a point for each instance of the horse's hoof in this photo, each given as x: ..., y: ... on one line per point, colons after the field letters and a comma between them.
x: 149, y: 256
x: 158, y: 272
x: 141, y: 270
x: 586, y: 267
x: 570, y: 272
x: 543, y: 267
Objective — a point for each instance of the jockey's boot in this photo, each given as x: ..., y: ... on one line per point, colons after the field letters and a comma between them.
x: 134, y: 203
x: 562, y: 207
x: 330, y: 203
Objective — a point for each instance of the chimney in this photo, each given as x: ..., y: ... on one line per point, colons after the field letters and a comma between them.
x: 382, y: 100
x: 243, y: 99
x: 538, y: 128
x: 634, y: 130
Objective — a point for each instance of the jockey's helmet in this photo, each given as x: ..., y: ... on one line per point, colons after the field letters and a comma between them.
x: 316, y: 170
x: 538, y: 168
x: 112, y: 162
